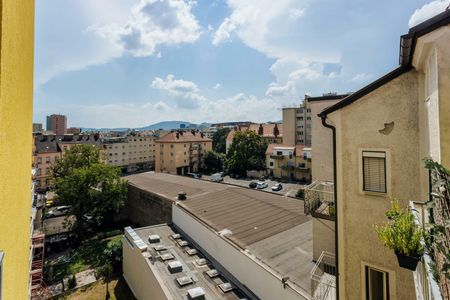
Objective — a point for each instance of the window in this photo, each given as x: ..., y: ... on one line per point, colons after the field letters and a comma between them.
x: 47, y: 159
x: 374, y: 171
x: 279, y: 153
x: 271, y: 163
x: 377, y: 284
x: 39, y: 160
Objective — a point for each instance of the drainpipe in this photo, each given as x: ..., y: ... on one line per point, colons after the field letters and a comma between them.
x: 336, y: 237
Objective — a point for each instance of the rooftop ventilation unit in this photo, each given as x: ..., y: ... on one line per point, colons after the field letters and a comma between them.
x: 191, y: 251
x: 182, y: 243
x: 201, y: 261
x: 159, y: 247
x: 166, y: 256
x: 226, y: 287
x: 182, y: 196
x: 185, y: 280
x: 175, y: 267
x: 154, y: 238
x: 175, y: 236
x: 212, y: 273
x: 196, y: 293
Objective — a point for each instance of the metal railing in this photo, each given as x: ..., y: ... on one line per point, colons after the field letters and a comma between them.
x: 323, y: 277
x: 426, y: 286
x: 319, y: 194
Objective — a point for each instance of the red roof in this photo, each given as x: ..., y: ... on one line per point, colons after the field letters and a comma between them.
x: 268, y: 130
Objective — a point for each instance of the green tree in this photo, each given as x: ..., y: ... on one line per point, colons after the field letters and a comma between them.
x: 214, y: 161
x: 219, y: 140
x: 247, y: 152
x: 94, y: 190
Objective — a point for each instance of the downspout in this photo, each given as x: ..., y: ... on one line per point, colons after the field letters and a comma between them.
x: 336, y: 240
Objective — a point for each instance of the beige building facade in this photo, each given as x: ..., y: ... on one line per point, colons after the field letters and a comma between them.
x: 382, y: 134
x: 181, y: 152
x: 132, y: 152
x: 289, y: 162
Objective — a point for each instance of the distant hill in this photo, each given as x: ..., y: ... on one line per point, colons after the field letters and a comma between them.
x: 166, y: 125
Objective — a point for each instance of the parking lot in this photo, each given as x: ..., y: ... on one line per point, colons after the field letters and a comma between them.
x: 289, y: 189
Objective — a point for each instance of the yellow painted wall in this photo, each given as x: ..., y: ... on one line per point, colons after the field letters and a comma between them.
x: 16, y: 102
x: 358, y: 127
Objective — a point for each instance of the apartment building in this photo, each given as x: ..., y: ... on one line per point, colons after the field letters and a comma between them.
x: 289, y: 162
x: 16, y: 103
x: 57, y: 124
x: 73, y: 130
x: 212, y: 244
x: 271, y: 133
x: 379, y: 137
x: 298, y: 120
x: 181, y: 151
x: 49, y: 148
x: 132, y: 152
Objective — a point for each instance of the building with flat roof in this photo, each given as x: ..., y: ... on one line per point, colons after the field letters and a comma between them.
x: 261, y: 243
x: 57, y: 124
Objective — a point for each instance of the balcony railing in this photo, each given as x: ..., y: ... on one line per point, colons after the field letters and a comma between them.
x: 426, y: 286
x: 323, y: 277
x: 277, y: 156
x: 319, y: 199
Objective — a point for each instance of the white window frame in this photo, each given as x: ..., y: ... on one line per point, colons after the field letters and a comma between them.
x: 375, y: 152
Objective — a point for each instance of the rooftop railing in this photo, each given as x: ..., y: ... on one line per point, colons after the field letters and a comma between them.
x: 323, y: 277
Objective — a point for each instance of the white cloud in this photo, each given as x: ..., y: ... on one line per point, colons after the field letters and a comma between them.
x: 152, y: 23
x: 217, y: 86
x: 427, y: 11
x: 362, y: 77
x: 295, y: 13
x: 187, y: 90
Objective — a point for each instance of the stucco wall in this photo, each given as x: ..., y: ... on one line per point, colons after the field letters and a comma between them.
x: 323, y: 237
x: 322, y: 145
x: 16, y: 104
x: 358, y: 127
x: 138, y: 274
x: 251, y: 274
x: 145, y: 208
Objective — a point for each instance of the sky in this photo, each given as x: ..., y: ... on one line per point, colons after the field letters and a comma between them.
x: 131, y: 63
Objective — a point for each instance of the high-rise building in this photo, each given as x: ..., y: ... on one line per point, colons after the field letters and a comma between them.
x: 16, y: 104
x: 57, y: 124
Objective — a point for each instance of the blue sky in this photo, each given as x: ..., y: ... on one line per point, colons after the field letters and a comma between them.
x: 130, y: 63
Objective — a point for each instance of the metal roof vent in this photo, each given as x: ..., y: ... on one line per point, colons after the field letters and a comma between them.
x: 226, y: 287
x: 153, y: 238
x: 182, y: 196
x: 175, y: 267
x: 196, y: 293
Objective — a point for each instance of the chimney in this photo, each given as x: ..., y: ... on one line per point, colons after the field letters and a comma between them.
x: 261, y: 129
x: 177, y: 135
x: 182, y: 196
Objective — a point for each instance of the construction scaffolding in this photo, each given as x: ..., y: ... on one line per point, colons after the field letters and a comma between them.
x: 38, y: 288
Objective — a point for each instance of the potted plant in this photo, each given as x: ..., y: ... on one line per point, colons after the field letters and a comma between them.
x: 404, y: 236
x: 331, y: 209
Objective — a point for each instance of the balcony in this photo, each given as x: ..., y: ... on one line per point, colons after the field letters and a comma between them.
x: 427, y: 288
x: 277, y: 156
x: 323, y: 277
x: 319, y: 199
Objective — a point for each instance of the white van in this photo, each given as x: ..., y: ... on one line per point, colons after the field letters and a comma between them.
x: 217, y: 177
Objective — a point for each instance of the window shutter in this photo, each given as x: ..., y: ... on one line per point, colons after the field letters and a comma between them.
x: 374, y: 171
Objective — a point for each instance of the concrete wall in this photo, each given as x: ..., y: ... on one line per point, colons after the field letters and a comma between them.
x: 358, y: 128
x: 254, y: 276
x: 170, y: 156
x: 323, y: 237
x: 322, y: 145
x: 16, y: 105
x: 289, y: 126
x: 138, y: 273
x: 145, y: 208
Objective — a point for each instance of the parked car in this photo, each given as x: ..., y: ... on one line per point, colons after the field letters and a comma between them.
x: 277, y: 187
x: 261, y: 185
x: 194, y: 175
x: 58, y: 211
x: 252, y: 184
x: 217, y: 177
